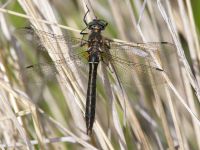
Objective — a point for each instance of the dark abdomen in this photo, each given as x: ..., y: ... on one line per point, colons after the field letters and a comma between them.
x: 91, y: 92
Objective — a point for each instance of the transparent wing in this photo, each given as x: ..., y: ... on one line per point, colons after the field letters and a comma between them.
x: 137, y: 49
x: 48, y: 42
x: 47, y: 71
x: 128, y: 71
x: 133, y: 56
x: 135, y: 60
x: 42, y: 38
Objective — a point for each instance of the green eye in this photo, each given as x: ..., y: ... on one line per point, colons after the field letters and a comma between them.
x: 90, y: 23
x: 102, y: 23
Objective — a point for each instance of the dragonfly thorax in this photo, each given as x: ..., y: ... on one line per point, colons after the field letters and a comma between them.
x: 95, y: 38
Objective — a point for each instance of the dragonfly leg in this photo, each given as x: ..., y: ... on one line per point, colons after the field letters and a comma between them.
x: 82, y: 32
x: 84, y: 18
x: 107, y: 43
x: 83, y: 42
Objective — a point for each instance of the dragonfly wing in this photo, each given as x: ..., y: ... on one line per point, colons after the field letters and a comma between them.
x: 70, y: 48
x: 139, y: 65
x: 47, y: 71
x: 118, y: 49
x: 128, y: 71
x: 132, y: 56
x: 139, y: 49
x: 132, y: 61
x: 49, y: 42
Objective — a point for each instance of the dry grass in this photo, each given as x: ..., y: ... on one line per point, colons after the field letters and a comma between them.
x: 129, y: 116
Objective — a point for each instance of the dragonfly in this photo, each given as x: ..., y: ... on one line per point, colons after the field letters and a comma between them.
x: 97, y: 48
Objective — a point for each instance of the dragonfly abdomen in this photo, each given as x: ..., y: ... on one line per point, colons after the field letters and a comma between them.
x: 91, y: 93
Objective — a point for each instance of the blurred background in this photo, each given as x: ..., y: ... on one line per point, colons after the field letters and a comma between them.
x: 44, y: 108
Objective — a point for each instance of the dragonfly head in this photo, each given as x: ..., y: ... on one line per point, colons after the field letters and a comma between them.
x: 97, y: 25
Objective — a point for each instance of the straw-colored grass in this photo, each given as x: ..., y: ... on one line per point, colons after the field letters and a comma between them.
x: 135, y: 110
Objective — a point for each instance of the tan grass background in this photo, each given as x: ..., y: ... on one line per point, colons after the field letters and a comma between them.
x: 134, y: 116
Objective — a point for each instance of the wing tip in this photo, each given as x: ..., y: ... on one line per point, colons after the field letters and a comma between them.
x: 159, y: 69
x: 30, y: 66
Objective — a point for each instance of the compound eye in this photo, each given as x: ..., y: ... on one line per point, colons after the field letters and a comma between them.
x: 103, y: 23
